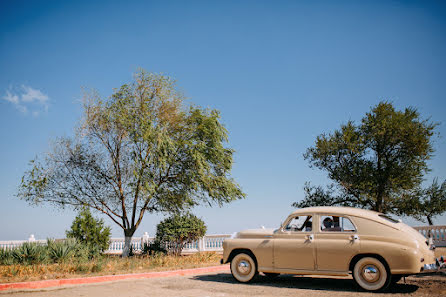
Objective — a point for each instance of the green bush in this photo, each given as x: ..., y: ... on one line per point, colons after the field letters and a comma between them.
x: 6, y: 257
x: 153, y: 248
x: 61, y: 251
x: 30, y: 253
x: 178, y: 230
x: 90, y: 231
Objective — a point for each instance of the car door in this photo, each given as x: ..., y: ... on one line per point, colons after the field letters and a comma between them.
x: 337, y: 242
x: 294, y: 246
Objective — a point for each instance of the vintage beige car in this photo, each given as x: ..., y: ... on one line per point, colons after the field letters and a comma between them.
x: 376, y: 249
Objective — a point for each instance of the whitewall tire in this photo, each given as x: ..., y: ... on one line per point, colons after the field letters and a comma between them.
x: 243, y: 268
x: 371, y: 274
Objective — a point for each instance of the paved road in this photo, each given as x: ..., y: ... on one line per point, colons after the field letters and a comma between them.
x: 222, y: 284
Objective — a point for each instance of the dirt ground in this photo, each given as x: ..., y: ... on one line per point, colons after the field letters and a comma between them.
x: 222, y: 284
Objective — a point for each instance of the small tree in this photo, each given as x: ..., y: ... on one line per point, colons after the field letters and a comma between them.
x: 377, y: 164
x: 90, y: 231
x: 178, y: 230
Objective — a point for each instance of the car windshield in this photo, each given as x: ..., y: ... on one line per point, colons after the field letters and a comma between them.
x: 389, y: 218
x: 300, y: 224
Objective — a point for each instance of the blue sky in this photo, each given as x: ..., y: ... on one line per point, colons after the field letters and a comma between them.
x: 280, y: 72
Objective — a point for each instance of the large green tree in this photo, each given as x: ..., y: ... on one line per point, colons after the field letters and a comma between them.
x: 140, y: 151
x: 377, y: 164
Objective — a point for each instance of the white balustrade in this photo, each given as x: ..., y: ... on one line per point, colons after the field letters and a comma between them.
x: 12, y: 244
x: 438, y: 234
x: 214, y: 242
x: 207, y: 243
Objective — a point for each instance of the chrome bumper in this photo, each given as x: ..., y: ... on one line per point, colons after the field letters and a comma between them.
x: 429, y: 268
x: 439, y: 267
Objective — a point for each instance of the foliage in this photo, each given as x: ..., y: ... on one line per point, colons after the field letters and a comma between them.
x: 378, y: 164
x: 432, y: 202
x: 29, y: 253
x: 61, y: 251
x: 6, y: 257
x: 141, y: 150
x: 153, y: 248
x: 90, y: 231
x: 178, y: 230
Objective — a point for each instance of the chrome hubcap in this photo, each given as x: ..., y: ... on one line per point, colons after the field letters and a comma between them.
x: 370, y: 273
x: 243, y: 267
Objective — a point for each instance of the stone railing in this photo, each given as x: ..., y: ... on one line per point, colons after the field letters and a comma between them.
x: 117, y: 245
x: 11, y: 244
x: 438, y: 234
x: 207, y: 243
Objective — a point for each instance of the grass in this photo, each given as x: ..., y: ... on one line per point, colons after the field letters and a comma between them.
x: 105, y: 265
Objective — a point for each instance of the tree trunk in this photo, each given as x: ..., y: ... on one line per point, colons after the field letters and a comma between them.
x: 429, y: 220
x: 128, y: 234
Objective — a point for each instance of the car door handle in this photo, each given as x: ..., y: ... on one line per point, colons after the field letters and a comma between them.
x: 354, y: 237
x: 310, y: 237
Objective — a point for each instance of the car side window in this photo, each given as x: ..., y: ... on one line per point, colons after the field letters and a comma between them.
x: 300, y: 224
x: 336, y: 223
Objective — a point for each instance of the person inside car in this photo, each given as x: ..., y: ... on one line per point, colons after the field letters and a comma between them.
x: 327, y: 224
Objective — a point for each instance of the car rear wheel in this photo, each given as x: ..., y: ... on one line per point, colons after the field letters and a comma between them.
x: 243, y: 268
x: 371, y: 274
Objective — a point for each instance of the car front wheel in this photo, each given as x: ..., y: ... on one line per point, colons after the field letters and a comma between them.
x: 371, y: 275
x: 243, y: 268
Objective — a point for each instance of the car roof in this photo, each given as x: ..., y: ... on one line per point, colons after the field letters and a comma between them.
x: 338, y: 210
x: 349, y: 211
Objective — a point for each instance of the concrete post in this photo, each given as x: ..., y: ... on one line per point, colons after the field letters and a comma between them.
x: 201, y: 244
x: 144, y: 239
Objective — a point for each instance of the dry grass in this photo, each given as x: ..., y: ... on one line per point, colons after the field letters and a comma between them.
x: 106, y: 265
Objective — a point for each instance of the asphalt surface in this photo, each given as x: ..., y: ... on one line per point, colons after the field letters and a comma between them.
x: 222, y: 284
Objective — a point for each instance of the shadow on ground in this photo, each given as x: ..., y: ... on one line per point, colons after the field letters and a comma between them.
x: 302, y: 282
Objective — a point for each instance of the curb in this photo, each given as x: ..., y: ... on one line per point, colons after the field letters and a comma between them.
x: 108, y: 278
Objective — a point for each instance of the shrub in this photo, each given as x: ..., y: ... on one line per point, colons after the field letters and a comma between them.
x: 153, y: 248
x: 61, y: 251
x: 90, y: 231
x: 30, y: 253
x: 6, y: 257
x: 178, y: 230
